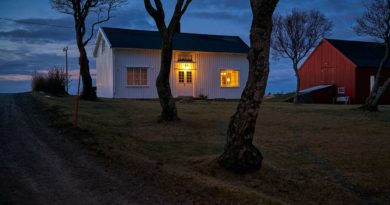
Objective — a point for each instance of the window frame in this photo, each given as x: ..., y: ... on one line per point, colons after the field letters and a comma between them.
x: 188, y: 72
x: 181, y: 79
x: 140, y: 76
x: 238, y: 78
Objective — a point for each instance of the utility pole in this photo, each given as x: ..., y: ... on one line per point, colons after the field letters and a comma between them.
x: 66, y: 68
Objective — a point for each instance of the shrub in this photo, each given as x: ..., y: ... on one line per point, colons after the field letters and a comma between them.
x: 38, y: 83
x: 53, y: 82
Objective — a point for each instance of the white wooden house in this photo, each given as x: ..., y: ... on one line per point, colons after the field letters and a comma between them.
x: 128, y: 62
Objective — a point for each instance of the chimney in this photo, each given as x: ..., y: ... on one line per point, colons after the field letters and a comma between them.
x: 177, y: 29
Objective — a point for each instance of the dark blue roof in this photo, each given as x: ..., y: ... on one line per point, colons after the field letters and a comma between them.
x: 363, y: 54
x: 127, y: 38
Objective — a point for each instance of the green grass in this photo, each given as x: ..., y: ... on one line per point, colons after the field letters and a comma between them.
x: 289, y: 136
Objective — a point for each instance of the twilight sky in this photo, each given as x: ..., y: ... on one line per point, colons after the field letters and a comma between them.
x: 32, y: 34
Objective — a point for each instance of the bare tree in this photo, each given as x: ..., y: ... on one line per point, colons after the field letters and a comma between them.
x: 240, y: 155
x: 167, y: 102
x: 80, y: 9
x: 375, y: 22
x: 296, y: 34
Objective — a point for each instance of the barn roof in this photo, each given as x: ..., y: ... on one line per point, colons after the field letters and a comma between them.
x: 363, y: 54
x: 128, y: 38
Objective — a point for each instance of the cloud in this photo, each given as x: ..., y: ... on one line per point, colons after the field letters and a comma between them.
x: 220, y: 15
x: 39, y: 31
x: 221, y: 4
x: 15, y: 77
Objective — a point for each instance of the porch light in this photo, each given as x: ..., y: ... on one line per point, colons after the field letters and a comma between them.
x: 185, y: 65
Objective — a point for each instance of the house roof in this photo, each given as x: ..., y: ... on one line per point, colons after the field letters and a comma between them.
x: 127, y: 38
x: 363, y: 54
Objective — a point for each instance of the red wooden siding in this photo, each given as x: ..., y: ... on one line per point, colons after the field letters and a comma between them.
x: 363, y: 84
x: 327, y: 65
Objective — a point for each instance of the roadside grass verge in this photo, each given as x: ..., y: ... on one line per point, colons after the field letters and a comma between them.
x: 302, y: 146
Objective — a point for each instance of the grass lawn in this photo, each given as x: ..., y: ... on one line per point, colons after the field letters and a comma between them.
x: 313, y: 154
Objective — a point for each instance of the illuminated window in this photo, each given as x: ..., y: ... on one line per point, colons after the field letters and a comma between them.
x: 137, y: 76
x: 230, y: 78
x: 185, y: 66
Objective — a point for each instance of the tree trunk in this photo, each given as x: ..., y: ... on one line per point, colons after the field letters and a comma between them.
x: 167, y: 102
x: 374, y: 97
x: 240, y: 155
x: 380, y: 93
x: 88, y: 93
x: 296, y: 96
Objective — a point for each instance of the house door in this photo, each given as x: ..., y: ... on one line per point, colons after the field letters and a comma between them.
x: 185, y: 86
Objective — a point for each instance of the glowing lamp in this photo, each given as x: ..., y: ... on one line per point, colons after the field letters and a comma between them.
x: 185, y: 65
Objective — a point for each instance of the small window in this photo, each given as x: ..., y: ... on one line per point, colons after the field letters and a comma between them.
x: 189, y: 77
x: 185, y: 58
x: 340, y: 90
x: 230, y: 78
x: 372, y: 81
x: 137, y: 76
x: 181, y: 76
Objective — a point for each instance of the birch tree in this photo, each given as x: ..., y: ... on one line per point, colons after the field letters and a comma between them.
x: 167, y: 102
x: 240, y: 155
x: 296, y: 34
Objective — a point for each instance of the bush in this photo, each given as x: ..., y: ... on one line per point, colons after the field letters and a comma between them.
x: 53, y: 82
x: 38, y: 83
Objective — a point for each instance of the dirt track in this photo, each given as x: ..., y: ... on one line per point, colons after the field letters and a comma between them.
x: 39, y: 166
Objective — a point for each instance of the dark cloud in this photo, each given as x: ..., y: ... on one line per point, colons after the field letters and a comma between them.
x: 226, y: 5
x: 38, y: 31
x: 28, y: 63
x: 37, y: 36
x: 134, y: 17
x: 220, y: 16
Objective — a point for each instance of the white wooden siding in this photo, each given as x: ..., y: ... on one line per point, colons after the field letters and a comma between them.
x: 206, y: 76
x: 136, y: 58
x: 104, y: 73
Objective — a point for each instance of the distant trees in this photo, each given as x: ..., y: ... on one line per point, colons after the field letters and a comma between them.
x: 375, y: 22
x: 297, y: 33
x: 167, y: 102
x: 80, y: 9
x: 240, y: 155
x: 53, y: 82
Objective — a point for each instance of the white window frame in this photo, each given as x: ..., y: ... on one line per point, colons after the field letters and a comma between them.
x: 137, y: 67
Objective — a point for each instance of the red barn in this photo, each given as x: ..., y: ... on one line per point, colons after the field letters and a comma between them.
x: 343, y: 69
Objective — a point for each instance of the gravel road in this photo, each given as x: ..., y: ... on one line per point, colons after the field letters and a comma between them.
x: 39, y: 166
